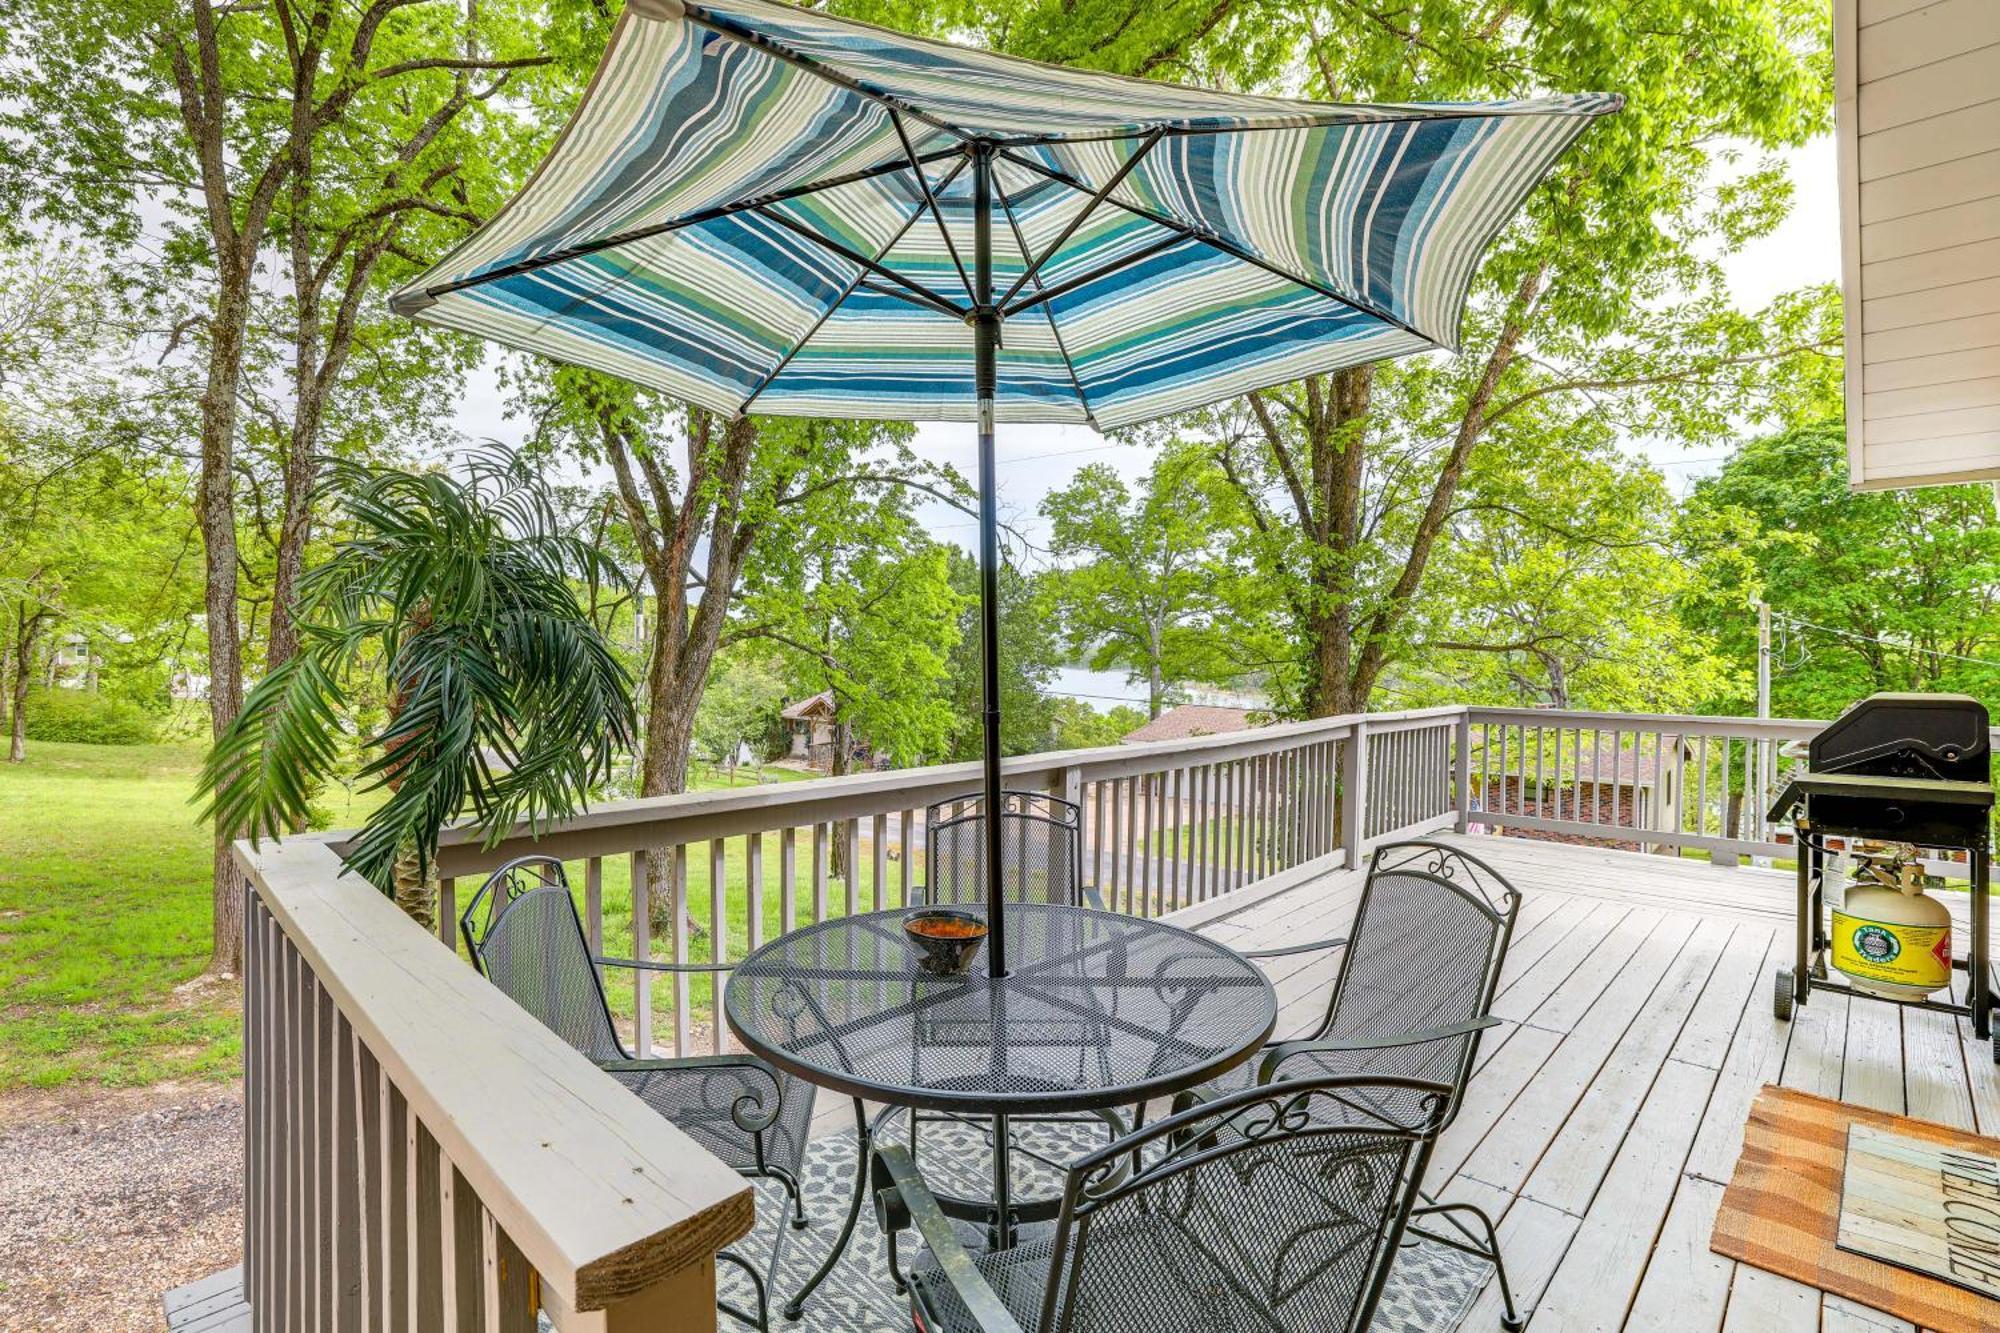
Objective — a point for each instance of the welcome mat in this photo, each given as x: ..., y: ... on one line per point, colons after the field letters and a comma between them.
x: 1782, y: 1210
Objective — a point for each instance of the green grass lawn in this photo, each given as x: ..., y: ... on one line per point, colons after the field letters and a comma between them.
x: 104, y: 916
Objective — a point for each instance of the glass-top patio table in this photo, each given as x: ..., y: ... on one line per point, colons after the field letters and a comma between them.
x: 1098, y: 1011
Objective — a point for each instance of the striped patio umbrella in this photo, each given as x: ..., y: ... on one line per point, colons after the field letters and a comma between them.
x: 758, y: 208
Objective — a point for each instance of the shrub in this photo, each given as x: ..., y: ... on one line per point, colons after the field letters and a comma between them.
x: 87, y: 717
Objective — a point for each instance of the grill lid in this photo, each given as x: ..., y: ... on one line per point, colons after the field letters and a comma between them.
x: 1907, y: 735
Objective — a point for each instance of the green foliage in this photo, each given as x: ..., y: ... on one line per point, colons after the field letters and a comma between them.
x: 505, y: 700
x: 87, y: 717
x: 1149, y: 586
x: 739, y: 707
x: 1881, y: 590
x: 1078, y: 726
x: 1029, y: 655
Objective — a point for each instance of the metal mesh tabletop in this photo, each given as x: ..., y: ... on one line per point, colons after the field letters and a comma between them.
x: 1098, y: 1011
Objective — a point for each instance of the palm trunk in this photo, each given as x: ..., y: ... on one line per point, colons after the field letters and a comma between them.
x: 416, y: 888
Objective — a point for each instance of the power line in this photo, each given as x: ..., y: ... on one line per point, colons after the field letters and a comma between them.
x: 1875, y: 641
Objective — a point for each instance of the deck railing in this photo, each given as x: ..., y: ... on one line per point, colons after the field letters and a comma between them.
x: 1166, y: 825
x: 423, y: 1154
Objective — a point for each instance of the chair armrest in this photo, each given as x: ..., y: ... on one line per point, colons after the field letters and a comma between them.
x: 1091, y: 897
x: 751, y: 1111
x: 902, y: 1197
x: 1290, y: 949
x: 1278, y: 1052
x: 648, y: 965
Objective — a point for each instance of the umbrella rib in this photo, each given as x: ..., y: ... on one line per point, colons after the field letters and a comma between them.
x: 778, y: 50
x: 860, y: 279
x: 586, y: 248
x: 1233, y: 250
x: 1105, y: 270
x: 1048, y: 311
x: 1077, y: 221
x: 853, y: 256
x: 1294, y: 123
x: 930, y: 201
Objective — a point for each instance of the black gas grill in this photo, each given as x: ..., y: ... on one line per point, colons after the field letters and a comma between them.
x: 1912, y: 768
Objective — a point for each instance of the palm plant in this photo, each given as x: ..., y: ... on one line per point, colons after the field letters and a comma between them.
x: 456, y: 596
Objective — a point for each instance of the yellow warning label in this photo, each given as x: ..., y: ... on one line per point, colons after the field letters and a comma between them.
x: 1897, y: 955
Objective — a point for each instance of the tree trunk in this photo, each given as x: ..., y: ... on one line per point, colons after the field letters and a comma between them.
x: 840, y: 766
x: 17, y: 730
x: 216, y: 511
x: 416, y: 889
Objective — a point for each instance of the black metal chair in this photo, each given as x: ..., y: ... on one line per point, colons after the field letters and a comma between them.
x: 1041, y: 851
x: 1277, y: 1209
x: 1417, y: 977
x: 1041, y: 862
x: 530, y: 943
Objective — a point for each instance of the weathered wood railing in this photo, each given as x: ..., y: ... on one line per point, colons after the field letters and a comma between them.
x: 1165, y: 826
x: 422, y: 1155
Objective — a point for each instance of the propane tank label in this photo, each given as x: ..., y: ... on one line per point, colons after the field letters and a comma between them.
x: 1916, y: 956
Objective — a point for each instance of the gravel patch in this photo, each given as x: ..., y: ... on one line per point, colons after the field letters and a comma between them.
x: 109, y: 1198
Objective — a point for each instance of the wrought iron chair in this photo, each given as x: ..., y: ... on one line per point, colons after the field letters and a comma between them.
x: 1041, y: 852
x: 1417, y: 977
x: 1275, y: 1209
x: 525, y: 936
x: 1041, y: 862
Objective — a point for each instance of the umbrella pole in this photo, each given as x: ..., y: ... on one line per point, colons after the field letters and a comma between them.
x: 985, y: 355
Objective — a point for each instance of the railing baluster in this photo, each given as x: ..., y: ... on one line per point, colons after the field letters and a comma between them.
x: 677, y: 897
x: 718, y: 933
x: 788, y: 880
x: 819, y: 871
x: 878, y: 833
x: 642, y: 951
x: 753, y: 892
x: 593, y: 908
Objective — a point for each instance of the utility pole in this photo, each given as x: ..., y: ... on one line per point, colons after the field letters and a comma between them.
x: 1760, y: 789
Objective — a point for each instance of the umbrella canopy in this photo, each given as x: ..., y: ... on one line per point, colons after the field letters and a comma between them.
x: 757, y: 208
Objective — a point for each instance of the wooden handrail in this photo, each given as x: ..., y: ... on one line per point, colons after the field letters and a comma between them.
x: 605, y: 1200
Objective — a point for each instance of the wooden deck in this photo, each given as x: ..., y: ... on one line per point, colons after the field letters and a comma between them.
x: 1608, y: 1112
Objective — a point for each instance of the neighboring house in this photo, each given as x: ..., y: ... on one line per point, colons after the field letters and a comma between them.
x: 1190, y: 720
x: 809, y: 727
x: 1637, y: 787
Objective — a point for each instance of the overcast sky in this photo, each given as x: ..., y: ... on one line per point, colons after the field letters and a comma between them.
x: 1033, y: 460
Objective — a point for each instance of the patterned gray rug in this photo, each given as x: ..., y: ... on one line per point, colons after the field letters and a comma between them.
x: 1430, y: 1290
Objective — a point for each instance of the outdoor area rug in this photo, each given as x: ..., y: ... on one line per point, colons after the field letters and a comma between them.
x: 1781, y: 1211
x: 1430, y: 1291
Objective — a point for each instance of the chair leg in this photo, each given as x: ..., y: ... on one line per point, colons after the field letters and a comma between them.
x: 761, y: 1321
x: 792, y: 1192
x: 1486, y: 1246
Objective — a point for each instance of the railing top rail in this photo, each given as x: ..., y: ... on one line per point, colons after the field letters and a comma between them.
x: 620, y: 826
x: 603, y: 1196
x: 1687, y: 724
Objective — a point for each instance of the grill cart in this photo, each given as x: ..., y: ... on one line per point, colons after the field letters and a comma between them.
x: 1900, y: 769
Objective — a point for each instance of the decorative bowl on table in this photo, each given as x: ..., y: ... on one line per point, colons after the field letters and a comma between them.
x: 945, y: 941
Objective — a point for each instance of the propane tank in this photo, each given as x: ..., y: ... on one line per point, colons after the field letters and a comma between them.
x: 1889, y: 937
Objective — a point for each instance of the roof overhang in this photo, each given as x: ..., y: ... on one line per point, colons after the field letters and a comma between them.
x: 1917, y: 123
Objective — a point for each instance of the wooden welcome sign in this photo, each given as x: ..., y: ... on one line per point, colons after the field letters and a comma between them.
x: 1922, y: 1205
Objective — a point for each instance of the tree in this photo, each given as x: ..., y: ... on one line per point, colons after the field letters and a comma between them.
x: 861, y: 605
x: 1603, y: 299
x: 1078, y: 726
x: 456, y: 597
x: 739, y: 707
x: 699, y: 497
x: 1146, y: 589
x: 1876, y: 590
x: 1029, y: 656
x: 339, y: 132
x: 1560, y: 586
